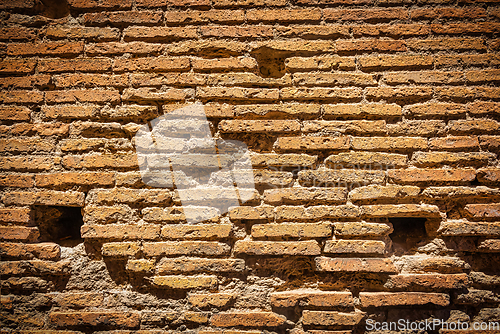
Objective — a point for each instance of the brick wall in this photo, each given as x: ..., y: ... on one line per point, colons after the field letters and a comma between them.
x: 374, y: 131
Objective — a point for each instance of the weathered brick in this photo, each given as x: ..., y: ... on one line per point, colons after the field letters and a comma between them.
x: 15, y: 113
x: 123, y: 17
x: 340, y: 177
x: 17, y: 180
x: 73, y: 96
x: 121, y: 231
x: 451, y: 158
x: 15, y: 215
x: 379, y: 192
x: 70, y: 178
x: 387, y: 62
x: 203, y: 17
x: 437, y: 192
x: 491, y: 142
x: 120, y: 249
x: 331, y: 318
x: 314, y: 31
x: 439, y: 44
x: 469, y: 229
x: 355, y: 265
x: 371, y: 110
x: 25, y: 82
x: 491, y: 210
x: 447, y: 12
x: 312, y: 143
x: 345, y: 127
x: 94, y: 161
x: 19, y: 233
x: 334, y: 79
x: 249, y: 319
x: 392, y: 30
x: 26, y: 145
x: 424, y: 77
x: 389, y: 143
x: 437, y: 109
x: 427, y: 281
x: 90, y: 80
x: 34, y: 163
x: 354, y: 247
x: 473, y: 126
x: 248, y: 3
x: 426, y: 264
x: 156, y: 34
x: 381, y: 299
x: 72, y: 65
x: 334, y: 94
x: 237, y: 32
x: 360, y: 159
x: 116, y: 48
x: 185, y: 264
x: 377, y: 15
x: 450, y: 176
x: 21, y: 96
x: 300, y: 230
x: 489, y: 175
x: 465, y: 28
x: 237, y: 93
x: 361, y: 229
x: 282, y: 15
x: 399, y: 94
x: 310, y: 247
x: 482, y: 108
x: 107, y: 319
x: 454, y: 143
x: 305, y: 196
x: 314, y: 298
x: 191, y: 248
x: 207, y: 48
x: 291, y: 213
x: 259, y: 126
x: 63, y: 49
x: 251, y: 213
x: 45, y: 251
x: 369, y: 45
x: 285, y: 160
x: 45, y: 197
x: 89, y: 33
x: 80, y: 299
x: 34, y: 267
x: 297, y: 64
x: 107, y: 214
x: 18, y: 4
x: 201, y: 231
x: 489, y: 246
x: 210, y: 300
x: 185, y: 282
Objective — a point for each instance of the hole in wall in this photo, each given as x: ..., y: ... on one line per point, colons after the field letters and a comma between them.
x: 271, y: 62
x: 59, y: 224
x: 54, y: 9
x: 408, y: 232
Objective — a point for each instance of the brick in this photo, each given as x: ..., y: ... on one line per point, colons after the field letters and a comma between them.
x: 251, y: 213
x: 89, y: 80
x: 203, y: 17
x: 121, y: 232
x: 107, y: 319
x: 437, y: 109
x: 275, y: 248
x: 16, y: 66
x: 45, y: 197
x: 88, y: 33
x: 479, y: 126
x: 466, y: 60
x: 25, y: 82
x: 483, y: 108
x: 237, y: 32
x: 217, y: 195
x: 388, y: 62
x: 427, y: 281
x: 399, y: 95
x: 156, y: 34
x: 81, y: 145
x: 248, y: 3
x: 341, y: 177
x: 291, y: 213
x: 152, y: 94
x: 80, y: 300
x: 24, y: 163
x: 466, y: 28
x: 288, y: 160
x: 388, y: 143
x: 28, y: 284
x: 333, y: 94
x: 18, y: 4
x: 283, y: 15
x: 451, y: 158
x: 426, y: 264
x: 311, y: 298
x: 313, y: 31
x: 437, y: 192
x: 70, y: 178
x: 26, y: 145
x: 300, y: 230
x: 380, y: 192
x: 15, y: 215
x: 439, y: 44
x: 432, y: 176
x: 296, y: 195
x: 122, y: 18
x: 237, y: 93
x: 192, y: 248
x: 370, y: 15
x: 334, y: 79
x: 361, y: 229
x: 491, y: 142
x: 140, y: 266
x: 469, y: 229
x: 34, y: 267
x: 210, y: 300
x: 120, y: 249
x: 94, y: 161
x: 347, y: 126
x: 184, y: 264
x: 366, y: 46
x: 424, y: 77
x: 107, y: 214
x: 116, y: 48
x: 248, y: 126
x: 489, y: 175
x: 185, y: 282
x: 482, y: 76
x: 223, y: 64
x: 201, y: 231
x: 359, y: 159
x: 296, y: 64
x: 63, y: 49
x: 101, y: 4
x: 247, y: 319
x: 73, y: 96
x: 354, y: 247
x: 19, y: 233
x: 177, y: 214
x: 491, y: 210
x: 423, y: 128
x: 447, y: 12
x: 381, y: 299
x: 312, y: 143
x: 15, y: 113
x: 21, y: 96
x: 331, y: 318
x: 453, y: 143
x: 72, y: 65
x: 489, y: 246
x: 392, y: 30
x: 44, y: 251
x: 355, y: 265
x: 17, y: 181
x: 246, y: 79
x: 208, y: 48
x: 371, y: 110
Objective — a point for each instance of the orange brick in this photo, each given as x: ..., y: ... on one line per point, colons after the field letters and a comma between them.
x: 354, y: 247
x: 314, y: 31
x: 203, y: 17
x: 90, y: 80
x: 312, y: 143
x: 374, y: 45
x: 386, y: 62
x: 28, y: 163
x: 249, y: 126
x: 94, y: 161
x: 250, y: 319
x: 489, y: 175
x: 491, y: 210
x: 72, y: 96
x: 427, y: 281
x: 310, y: 247
x: 80, y: 299
x: 17, y: 180
x: 392, y: 30
x: 212, y: 299
x: 48, y: 48
x: 26, y: 145
x: 470, y: 126
x: 116, y: 48
x: 282, y: 15
x: 437, y: 109
x: 331, y: 94
x: 448, y: 12
x: 314, y: 298
x: 125, y: 17
x: 483, y: 108
x: 370, y: 15
x: 192, y: 248
x: 18, y: 4
x: 25, y: 82
x: 15, y: 113
x: 116, y: 232
x: 72, y: 65
x: 19, y: 233
x: 323, y: 63
x: 107, y: 319
x: 296, y: 230
x: 304, y: 195
x: 237, y: 32
x: 468, y: 229
x: 21, y: 96
x: 446, y: 44
x: 399, y: 95
x: 466, y: 28
x: 331, y: 318
x: 423, y: 77
x: 179, y: 3
x: 70, y: 178
x: 334, y: 79
x: 156, y: 34
x: 88, y: 33
x: 45, y: 197
x: 167, y: 265
x: 448, y: 176
x: 355, y: 265
x: 381, y: 299
x: 17, y: 66
x: 46, y: 251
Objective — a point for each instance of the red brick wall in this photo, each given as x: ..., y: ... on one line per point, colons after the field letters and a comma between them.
x: 374, y: 128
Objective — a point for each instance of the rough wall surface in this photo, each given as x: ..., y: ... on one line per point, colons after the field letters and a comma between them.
x: 374, y: 128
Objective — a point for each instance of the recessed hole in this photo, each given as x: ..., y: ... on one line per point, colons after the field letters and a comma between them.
x: 271, y: 62
x: 59, y: 224
x: 408, y: 232
x: 55, y: 9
